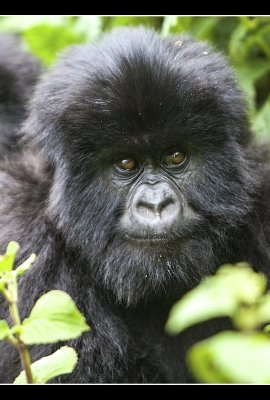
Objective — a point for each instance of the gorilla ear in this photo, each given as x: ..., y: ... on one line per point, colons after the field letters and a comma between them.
x: 44, y: 126
x: 42, y: 130
x: 35, y: 135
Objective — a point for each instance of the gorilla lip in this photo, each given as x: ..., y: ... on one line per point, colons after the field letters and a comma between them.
x: 147, y: 239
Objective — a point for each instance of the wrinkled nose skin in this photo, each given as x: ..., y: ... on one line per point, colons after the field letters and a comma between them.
x: 155, y: 207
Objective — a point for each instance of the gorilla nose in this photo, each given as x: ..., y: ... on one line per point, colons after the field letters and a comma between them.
x: 156, y: 206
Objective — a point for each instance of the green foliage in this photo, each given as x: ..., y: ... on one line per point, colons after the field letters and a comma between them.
x: 7, y: 261
x: 53, y: 318
x: 237, y: 292
x: 45, y: 41
x: 221, y: 295
x: 63, y: 361
x: 232, y: 357
x: 4, y: 329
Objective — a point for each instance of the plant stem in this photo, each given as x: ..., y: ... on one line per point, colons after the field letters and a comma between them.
x: 25, y: 361
x: 14, y: 313
x: 21, y: 347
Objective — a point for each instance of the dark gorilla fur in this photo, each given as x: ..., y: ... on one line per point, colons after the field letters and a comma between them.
x: 131, y: 90
x: 18, y: 74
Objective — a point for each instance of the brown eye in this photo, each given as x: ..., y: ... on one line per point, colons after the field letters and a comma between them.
x: 174, y: 159
x: 127, y: 164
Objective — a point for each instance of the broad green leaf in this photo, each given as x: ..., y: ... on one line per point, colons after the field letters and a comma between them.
x: 63, y: 361
x: 45, y: 41
x: 4, y: 329
x: 217, y: 296
x: 231, y: 357
x: 25, y: 266
x: 7, y: 261
x: 54, y: 317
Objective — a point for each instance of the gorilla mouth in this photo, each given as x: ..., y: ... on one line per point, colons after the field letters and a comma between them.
x: 147, y: 239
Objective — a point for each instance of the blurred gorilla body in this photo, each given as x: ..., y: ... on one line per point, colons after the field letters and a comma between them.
x: 147, y: 181
x: 18, y: 74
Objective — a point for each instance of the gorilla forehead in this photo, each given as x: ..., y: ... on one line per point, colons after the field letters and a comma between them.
x: 133, y: 84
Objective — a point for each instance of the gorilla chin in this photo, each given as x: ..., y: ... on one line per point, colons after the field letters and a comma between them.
x: 143, y: 270
x: 138, y: 177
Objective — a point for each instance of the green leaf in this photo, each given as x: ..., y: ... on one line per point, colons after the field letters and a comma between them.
x: 7, y: 261
x: 45, y: 41
x: 217, y: 296
x: 231, y: 357
x: 54, y: 317
x: 25, y: 266
x: 12, y: 249
x: 4, y: 329
x: 63, y: 361
x: 263, y: 309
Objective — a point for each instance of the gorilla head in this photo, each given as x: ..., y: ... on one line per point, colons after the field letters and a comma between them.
x: 147, y: 138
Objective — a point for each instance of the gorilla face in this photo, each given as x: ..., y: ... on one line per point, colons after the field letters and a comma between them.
x: 147, y: 138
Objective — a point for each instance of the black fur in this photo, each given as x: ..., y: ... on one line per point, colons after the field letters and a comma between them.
x: 18, y: 74
x: 132, y: 91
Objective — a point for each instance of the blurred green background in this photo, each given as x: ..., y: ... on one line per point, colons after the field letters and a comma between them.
x: 245, y: 40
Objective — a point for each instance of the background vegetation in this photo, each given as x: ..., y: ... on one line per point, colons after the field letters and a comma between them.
x: 245, y: 40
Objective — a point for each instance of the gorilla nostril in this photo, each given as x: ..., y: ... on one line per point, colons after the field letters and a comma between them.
x: 146, y: 208
x: 165, y: 205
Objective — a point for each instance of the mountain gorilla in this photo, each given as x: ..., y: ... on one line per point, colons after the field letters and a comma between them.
x: 140, y: 178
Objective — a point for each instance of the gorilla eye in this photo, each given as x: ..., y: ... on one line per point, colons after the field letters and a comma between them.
x: 174, y: 159
x: 126, y: 165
